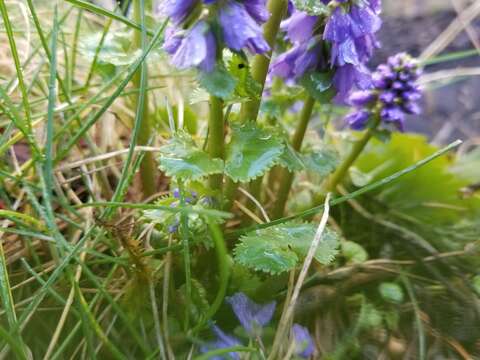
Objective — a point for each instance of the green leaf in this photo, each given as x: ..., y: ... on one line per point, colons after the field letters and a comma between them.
x: 319, y: 85
x: 322, y: 161
x: 280, y: 248
x: 391, y: 292
x: 312, y: 7
x: 353, y: 252
x: 291, y: 159
x: 218, y: 82
x: 246, y: 87
x: 182, y: 159
x: 251, y: 152
x: 429, y: 195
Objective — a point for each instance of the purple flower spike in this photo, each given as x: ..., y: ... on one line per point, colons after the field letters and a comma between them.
x: 223, y: 341
x: 197, y: 49
x: 240, y: 30
x: 393, y: 96
x: 303, y: 341
x: 252, y: 316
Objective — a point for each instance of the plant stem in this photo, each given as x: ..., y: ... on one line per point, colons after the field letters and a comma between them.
x: 357, y: 149
x: 147, y: 167
x: 260, y: 64
x: 223, y: 274
x: 216, y: 138
x: 286, y: 177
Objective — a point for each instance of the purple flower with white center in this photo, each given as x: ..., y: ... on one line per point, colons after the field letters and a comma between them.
x: 304, y: 346
x: 222, y: 341
x: 240, y: 30
x: 393, y: 96
x: 251, y: 315
x: 196, y: 48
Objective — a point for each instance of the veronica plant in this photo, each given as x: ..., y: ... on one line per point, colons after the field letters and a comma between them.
x: 244, y: 53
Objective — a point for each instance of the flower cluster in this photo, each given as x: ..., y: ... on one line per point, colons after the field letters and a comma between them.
x: 195, y: 43
x: 350, y: 32
x: 393, y: 96
x: 253, y: 317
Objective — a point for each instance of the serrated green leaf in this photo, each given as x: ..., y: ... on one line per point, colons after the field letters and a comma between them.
x: 291, y: 159
x: 182, y: 159
x: 218, y: 82
x: 319, y: 85
x: 322, y: 161
x: 312, y: 7
x: 251, y: 152
x: 280, y: 248
x: 246, y: 87
x: 260, y: 254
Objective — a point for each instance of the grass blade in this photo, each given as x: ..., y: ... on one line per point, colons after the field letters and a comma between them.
x: 353, y: 195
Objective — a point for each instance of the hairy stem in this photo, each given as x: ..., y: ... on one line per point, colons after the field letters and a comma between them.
x: 357, y: 149
x: 285, y: 176
x: 260, y: 64
x: 216, y: 138
x: 147, y: 167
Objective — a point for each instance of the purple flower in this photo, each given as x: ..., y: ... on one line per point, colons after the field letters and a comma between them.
x: 196, y: 48
x: 222, y: 341
x: 303, y: 341
x: 348, y: 76
x: 176, y: 193
x: 358, y: 119
x: 350, y: 31
x: 240, y: 29
x: 393, y: 96
x: 251, y: 315
x: 293, y: 64
x: 299, y: 27
x: 352, y: 34
x: 178, y: 10
x: 257, y: 10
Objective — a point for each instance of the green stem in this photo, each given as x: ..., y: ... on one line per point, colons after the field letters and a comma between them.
x: 286, y: 177
x: 147, y: 167
x: 216, y: 139
x: 260, y: 64
x: 184, y: 235
x: 223, y: 273
x: 357, y: 149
